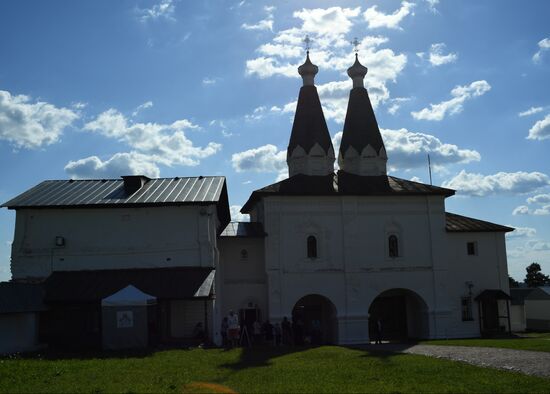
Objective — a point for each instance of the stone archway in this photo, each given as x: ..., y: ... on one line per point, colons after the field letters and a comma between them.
x: 403, y: 315
x: 315, y: 317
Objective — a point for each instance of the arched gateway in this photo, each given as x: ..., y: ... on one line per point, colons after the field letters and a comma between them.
x: 316, y: 320
x: 402, y: 313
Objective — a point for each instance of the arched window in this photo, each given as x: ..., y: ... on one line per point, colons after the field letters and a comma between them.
x: 393, y: 246
x: 311, y: 247
x: 244, y: 254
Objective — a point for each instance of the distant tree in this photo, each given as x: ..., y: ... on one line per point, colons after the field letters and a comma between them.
x: 534, y: 276
x: 512, y: 282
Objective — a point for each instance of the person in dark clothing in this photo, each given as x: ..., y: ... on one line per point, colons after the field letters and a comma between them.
x: 268, y: 331
x: 378, y: 330
x: 298, y: 331
x: 224, y: 327
x: 286, y: 331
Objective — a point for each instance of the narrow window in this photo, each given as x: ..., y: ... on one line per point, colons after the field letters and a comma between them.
x: 471, y: 248
x: 244, y: 254
x: 393, y: 246
x: 466, y: 307
x: 311, y: 247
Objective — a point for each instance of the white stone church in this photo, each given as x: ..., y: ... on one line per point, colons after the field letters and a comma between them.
x: 346, y: 248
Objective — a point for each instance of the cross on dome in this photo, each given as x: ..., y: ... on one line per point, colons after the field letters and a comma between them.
x: 307, y: 42
x: 355, y: 44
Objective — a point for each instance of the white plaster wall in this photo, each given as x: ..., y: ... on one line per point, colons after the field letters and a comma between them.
x: 353, y: 266
x: 537, y: 309
x: 517, y: 314
x: 18, y: 332
x: 486, y: 270
x: 112, y: 238
x: 243, y: 280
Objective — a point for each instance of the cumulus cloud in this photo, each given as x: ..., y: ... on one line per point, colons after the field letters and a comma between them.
x: 531, y: 111
x: 540, y: 130
x: 377, y: 19
x: 432, y: 5
x: 266, y: 158
x: 31, y: 125
x: 453, y: 106
x: 521, y: 210
x: 537, y: 245
x: 545, y: 210
x: 407, y: 150
x: 166, y: 143
x: 236, y: 214
x: 544, y: 45
x: 264, y: 24
x: 539, y: 199
x: 521, y: 232
x: 119, y: 164
x: 395, y: 104
x: 436, y: 55
x: 501, y: 182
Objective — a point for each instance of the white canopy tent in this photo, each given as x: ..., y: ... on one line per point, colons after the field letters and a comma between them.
x: 129, y: 296
x: 125, y: 318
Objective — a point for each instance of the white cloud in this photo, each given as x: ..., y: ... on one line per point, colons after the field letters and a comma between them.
x: 531, y: 111
x: 266, y: 158
x: 544, y: 45
x: 537, y: 245
x: 377, y: 19
x: 141, y: 107
x: 521, y: 210
x: 264, y: 24
x: 416, y: 179
x: 164, y: 9
x: 540, y: 130
x: 209, y: 81
x: 119, y: 164
x: 453, y: 106
x: 501, y: 182
x: 545, y: 210
x: 539, y: 199
x: 79, y: 105
x: 432, y: 4
x: 166, y: 144
x: 407, y: 150
x: 436, y: 57
x: 521, y: 232
x: 236, y: 214
x: 31, y: 125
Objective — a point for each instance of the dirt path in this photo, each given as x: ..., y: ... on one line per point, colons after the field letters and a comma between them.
x: 524, y: 361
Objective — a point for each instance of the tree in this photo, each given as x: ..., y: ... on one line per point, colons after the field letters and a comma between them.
x: 512, y: 282
x: 534, y: 276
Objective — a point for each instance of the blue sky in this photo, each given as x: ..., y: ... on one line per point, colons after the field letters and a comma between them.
x: 185, y: 88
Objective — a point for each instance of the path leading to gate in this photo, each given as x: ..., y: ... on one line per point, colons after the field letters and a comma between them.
x: 524, y: 361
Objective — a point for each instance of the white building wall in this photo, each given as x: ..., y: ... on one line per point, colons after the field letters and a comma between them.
x: 517, y: 315
x: 18, y: 332
x: 243, y: 281
x: 353, y: 266
x: 113, y: 238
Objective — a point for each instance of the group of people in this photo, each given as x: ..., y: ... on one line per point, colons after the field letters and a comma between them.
x: 256, y: 333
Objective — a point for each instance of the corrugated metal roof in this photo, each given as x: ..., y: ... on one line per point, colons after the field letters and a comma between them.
x: 111, y: 192
x: 244, y: 230
x: 458, y: 223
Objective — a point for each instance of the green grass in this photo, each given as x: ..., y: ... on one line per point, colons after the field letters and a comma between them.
x: 323, y: 369
x: 537, y: 342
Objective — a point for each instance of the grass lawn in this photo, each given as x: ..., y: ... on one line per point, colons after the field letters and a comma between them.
x: 536, y: 342
x: 322, y: 369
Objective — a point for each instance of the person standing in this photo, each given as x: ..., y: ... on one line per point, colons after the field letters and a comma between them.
x: 233, y: 328
x: 378, y: 332
x: 278, y: 333
x: 287, y: 331
x: 257, y: 332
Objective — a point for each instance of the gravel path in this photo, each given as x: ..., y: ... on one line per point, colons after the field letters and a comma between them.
x: 524, y: 361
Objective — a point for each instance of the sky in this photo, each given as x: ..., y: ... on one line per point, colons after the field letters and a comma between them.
x: 171, y: 88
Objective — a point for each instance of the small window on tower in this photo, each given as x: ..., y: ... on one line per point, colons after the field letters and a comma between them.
x: 393, y: 246
x: 311, y: 247
x: 471, y: 248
